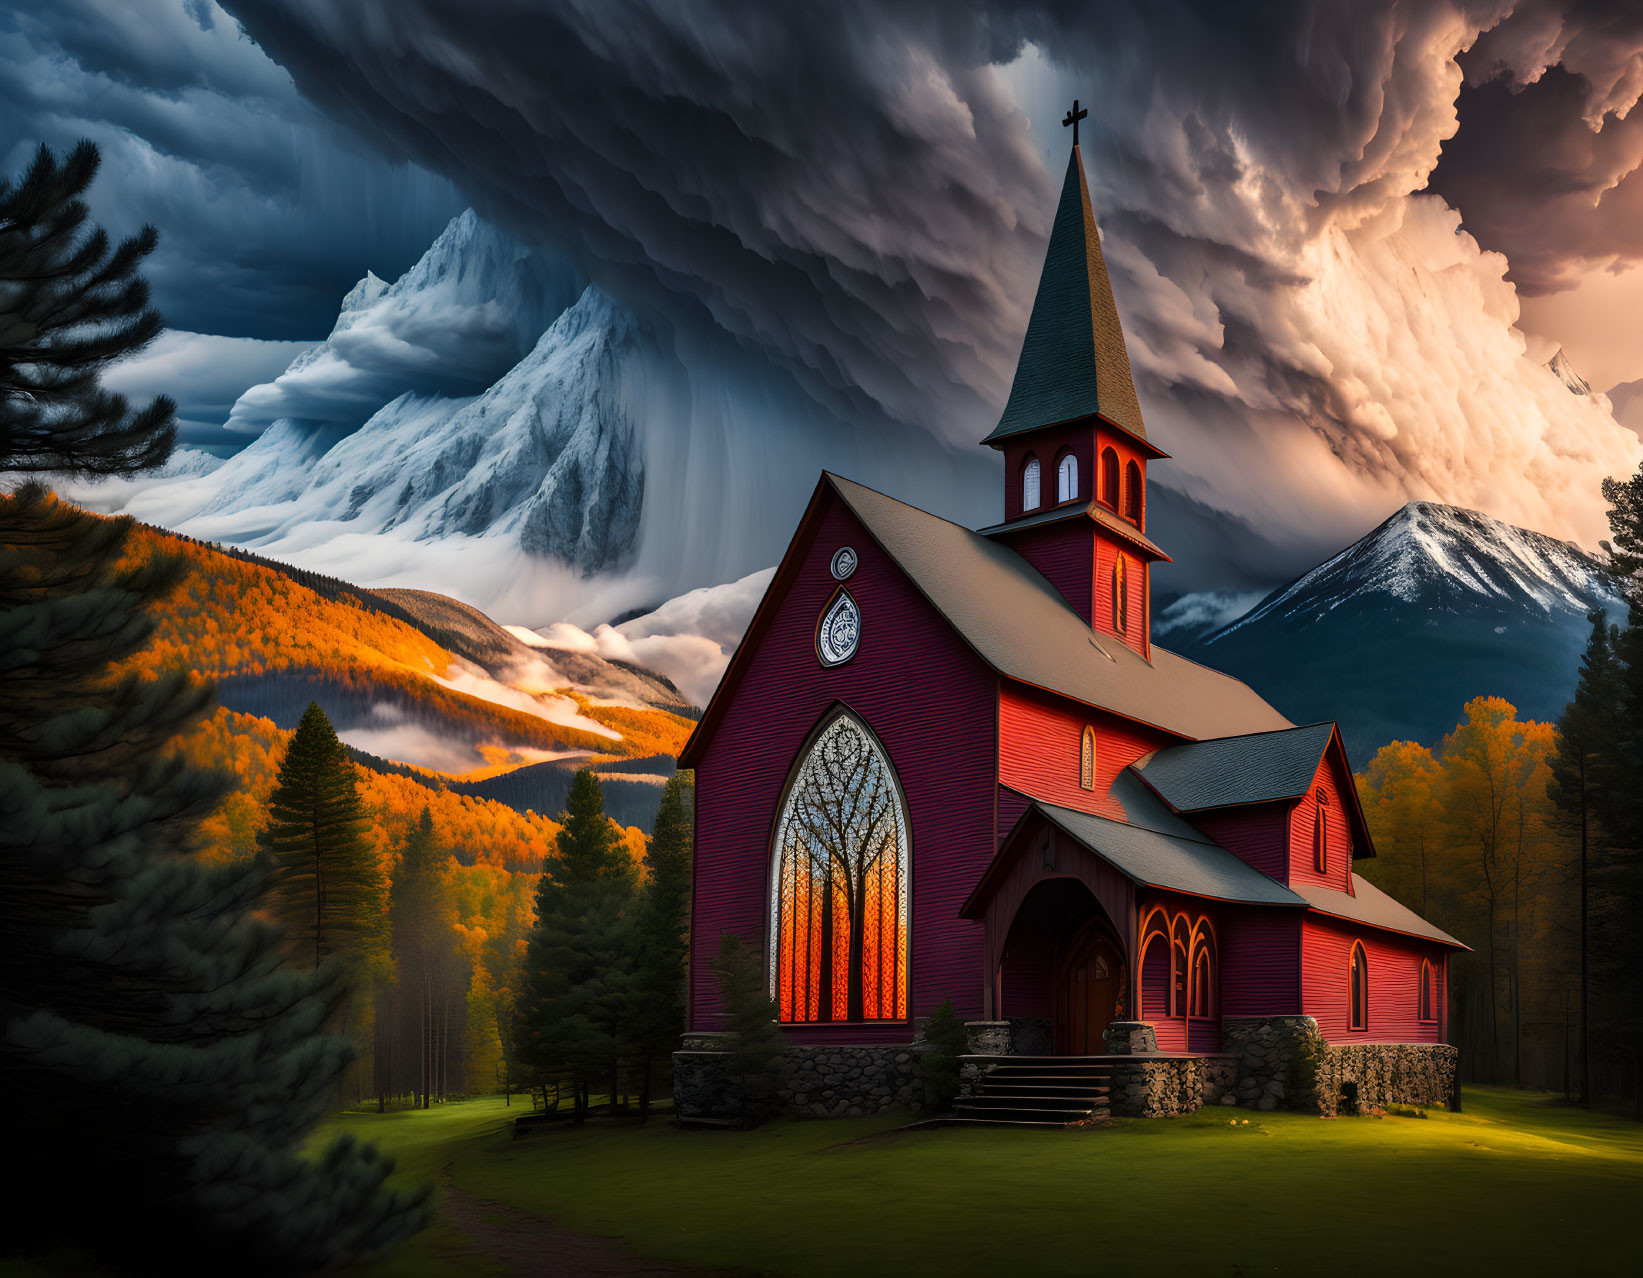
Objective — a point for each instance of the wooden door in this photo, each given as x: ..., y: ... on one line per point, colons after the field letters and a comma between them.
x: 1090, y: 981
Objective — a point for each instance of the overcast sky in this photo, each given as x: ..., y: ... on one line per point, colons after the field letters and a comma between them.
x: 1334, y: 229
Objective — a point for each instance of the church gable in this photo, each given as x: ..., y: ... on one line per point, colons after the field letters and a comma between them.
x: 922, y: 696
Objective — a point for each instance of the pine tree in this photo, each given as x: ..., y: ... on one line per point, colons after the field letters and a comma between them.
x: 1587, y: 736
x: 70, y: 306
x: 157, y: 1058
x: 574, y: 984
x: 327, y: 886
x: 424, y: 950
x: 755, y: 1043
x: 661, y: 936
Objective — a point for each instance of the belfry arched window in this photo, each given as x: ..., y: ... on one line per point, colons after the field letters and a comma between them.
x: 1030, y: 484
x: 1109, y: 477
x: 1359, y: 987
x: 1132, y: 492
x: 839, y: 883
x: 1066, y: 478
x: 1120, y: 595
x: 1086, y: 760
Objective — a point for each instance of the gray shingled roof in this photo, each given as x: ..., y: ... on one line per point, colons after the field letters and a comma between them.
x: 1169, y: 860
x: 1024, y: 629
x: 1368, y: 904
x: 1234, y: 770
x: 1092, y: 510
x: 1073, y: 362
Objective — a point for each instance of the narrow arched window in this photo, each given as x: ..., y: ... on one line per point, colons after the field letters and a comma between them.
x: 839, y: 889
x: 1120, y: 596
x: 1320, y: 833
x: 1066, y: 478
x: 1109, y: 477
x: 1180, y: 951
x: 1132, y: 492
x: 1155, y: 977
x: 1425, y: 992
x: 1203, y: 971
x: 1360, y: 987
x: 1029, y: 485
x: 1086, y: 760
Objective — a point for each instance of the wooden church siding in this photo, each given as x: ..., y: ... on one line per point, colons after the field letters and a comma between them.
x: 1039, y: 742
x: 1258, y: 835
x: 1261, y: 963
x: 1394, y: 982
x: 1134, y: 634
x: 1011, y: 805
x: 1303, y: 822
x: 942, y: 749
x: 1067, y: 563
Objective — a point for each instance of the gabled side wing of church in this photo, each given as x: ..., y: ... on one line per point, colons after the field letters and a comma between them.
x: 948, y: 764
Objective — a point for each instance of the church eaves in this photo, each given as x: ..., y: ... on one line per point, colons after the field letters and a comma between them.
x: 1073, y: 363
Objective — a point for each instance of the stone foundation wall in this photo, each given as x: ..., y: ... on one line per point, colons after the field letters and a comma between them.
x: 1270, y: 1062
x: 1283, y: 1061
x: 816, y: 1082
x: 1355, y: 1077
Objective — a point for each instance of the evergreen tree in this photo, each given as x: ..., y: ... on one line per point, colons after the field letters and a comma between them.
x: 574, y: 983
x: 756, y: 1043
x: 1587, y: 736
x: 327, y: 886
x: 946, y: 1041
x: 70, y: 305
x: 424, y: 952
x: 157, y: 1058
x: 662, y: 933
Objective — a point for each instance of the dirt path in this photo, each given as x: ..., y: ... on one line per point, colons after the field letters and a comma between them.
x: 529, y: 1246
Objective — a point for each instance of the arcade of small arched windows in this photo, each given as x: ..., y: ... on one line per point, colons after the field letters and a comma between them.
x: 1180, y: 976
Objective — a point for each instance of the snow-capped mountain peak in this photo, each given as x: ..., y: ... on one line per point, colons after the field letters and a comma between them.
x: 1445, y: 558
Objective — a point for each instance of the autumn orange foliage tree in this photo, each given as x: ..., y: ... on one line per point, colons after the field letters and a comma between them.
x: 1466, y: 835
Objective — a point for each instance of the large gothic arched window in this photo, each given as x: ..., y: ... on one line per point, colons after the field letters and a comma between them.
x: 839, y: 890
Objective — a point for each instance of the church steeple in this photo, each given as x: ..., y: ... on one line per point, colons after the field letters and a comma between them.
x: 1073, y: 362
x: 1075, y: 448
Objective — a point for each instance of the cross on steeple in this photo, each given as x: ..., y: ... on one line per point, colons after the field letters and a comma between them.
x: 1073, y: 117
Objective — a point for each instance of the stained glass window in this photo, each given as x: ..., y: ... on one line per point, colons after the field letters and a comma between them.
x: 1120, y: 596
x: 839, y: 903
x: 1086, y: 760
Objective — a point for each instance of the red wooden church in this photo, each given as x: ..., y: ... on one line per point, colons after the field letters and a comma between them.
x: 952, y: 764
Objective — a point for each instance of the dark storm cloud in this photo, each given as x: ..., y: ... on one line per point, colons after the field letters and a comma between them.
x: 1547, y: 166
x: 268, y: 212
x: 855, y: 189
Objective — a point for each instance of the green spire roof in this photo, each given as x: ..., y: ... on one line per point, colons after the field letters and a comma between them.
x: 1073, y: 362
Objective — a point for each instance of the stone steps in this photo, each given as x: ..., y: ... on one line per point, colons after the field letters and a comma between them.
x: 1040, y: 1091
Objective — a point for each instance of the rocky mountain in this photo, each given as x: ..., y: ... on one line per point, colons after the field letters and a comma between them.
x: 1393, y: 635
x: 488, y: 427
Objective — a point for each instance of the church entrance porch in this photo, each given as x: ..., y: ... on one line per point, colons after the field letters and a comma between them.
x: 1062, y: 973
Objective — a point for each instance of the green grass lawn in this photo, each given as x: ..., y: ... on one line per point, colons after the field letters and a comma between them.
x: 1519, y: 1184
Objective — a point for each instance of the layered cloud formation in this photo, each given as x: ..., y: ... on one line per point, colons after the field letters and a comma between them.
x: 860, y: 192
